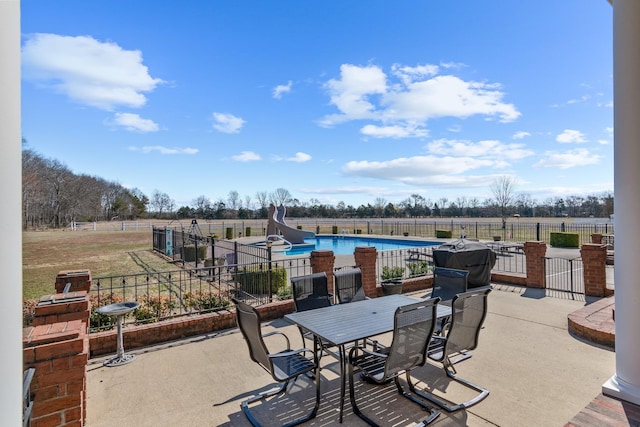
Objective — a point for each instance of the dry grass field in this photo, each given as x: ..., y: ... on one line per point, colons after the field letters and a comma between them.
x: 104, y: 253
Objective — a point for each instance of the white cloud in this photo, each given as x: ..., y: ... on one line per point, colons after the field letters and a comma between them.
x: 227, y: 123
x: 396, y: 131
x: 133, y: 122
x: 246, y: 156
x: 300, y: 157
x: 418, y: 170
x: 90, y: 72
x: 364, y: 93
x: 280, y: 89
x: 487, y: 149
x: 164, y: 150
x: 603, y: 141
x: 569, y: 136
x: 520, y: 135
x: 568, y: 159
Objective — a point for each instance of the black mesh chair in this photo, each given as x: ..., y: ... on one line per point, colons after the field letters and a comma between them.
x: 412, y: 331
x: 311, y: 292
x: 447, y: 283
x: 348, y: 285
x: 285, y: 366
x: 469, y: 310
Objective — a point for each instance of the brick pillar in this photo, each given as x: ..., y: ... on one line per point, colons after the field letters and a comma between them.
x: 59, y: 352
x: 535, y: 252
x: 324, y: 261
x: 62, y: 308
x: 365, y: 258
x: 596, y: 238
x: 594, y: 259
x: 80, y: 280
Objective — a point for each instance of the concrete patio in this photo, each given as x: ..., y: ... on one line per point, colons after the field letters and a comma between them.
x: 537, y: 373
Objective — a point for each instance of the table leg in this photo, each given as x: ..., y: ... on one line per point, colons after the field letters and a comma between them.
x: 343, y: 379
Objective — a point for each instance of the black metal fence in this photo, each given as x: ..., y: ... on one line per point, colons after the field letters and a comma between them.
x: 193, y: 290
x: 565, y: 275
x: 514, y: 230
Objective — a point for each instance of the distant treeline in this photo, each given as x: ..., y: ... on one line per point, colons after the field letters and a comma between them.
x: 54, y: 196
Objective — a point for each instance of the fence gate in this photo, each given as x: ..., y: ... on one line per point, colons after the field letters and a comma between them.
x: 565, y: 275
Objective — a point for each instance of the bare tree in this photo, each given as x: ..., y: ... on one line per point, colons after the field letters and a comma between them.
x: 233, y: 199
x: 281, y: 196
x: 503, y: 192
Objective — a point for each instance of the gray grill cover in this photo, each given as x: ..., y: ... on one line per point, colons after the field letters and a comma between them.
x: 475, y: 257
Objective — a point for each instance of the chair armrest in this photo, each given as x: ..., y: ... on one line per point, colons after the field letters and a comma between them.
x: 268, y: 334
x: 366, y: 351
x: 289, y: 353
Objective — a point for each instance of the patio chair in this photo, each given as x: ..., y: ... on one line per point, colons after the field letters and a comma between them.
x: 285, y: 366
x: 310, y: 292
x: 447, y: 283
x: 469, y: 310
x: 412, y: 331
x: 348, y: 285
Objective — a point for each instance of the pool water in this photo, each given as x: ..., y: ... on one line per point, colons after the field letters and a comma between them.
x: 346, y: 245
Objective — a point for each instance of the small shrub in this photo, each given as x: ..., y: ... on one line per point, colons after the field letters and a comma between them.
x: 392, y: 273
x: 419, y: 268
x: 285, y: 293
x: 28, y: 311
x: 229, y: 233
x: 247, y: 231
x: 153, y: 308
x: 202, y: 301
x: 443, y: 234
x: 255, y: 280
x: 334, y: 229
x: 565, y: 240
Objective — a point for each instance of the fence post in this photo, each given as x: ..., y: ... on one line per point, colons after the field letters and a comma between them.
x: 365, y: 259
x: 535, y: 255
x: 594, y: 259
x: 538, y: 232
x: 324, y: 261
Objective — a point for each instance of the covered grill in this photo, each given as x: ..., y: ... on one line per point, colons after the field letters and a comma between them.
x: 475, y: 257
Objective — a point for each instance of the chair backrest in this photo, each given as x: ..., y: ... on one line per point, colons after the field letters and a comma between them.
x: 413, y: 327
x: 248, y: 320
x: 469, y: 310
x: 448, y: 282
x: 348, y: 285
x: 310, y: 291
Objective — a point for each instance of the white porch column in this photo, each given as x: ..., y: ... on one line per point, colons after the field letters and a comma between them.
x: 11, y: 214
x: 625, y: 384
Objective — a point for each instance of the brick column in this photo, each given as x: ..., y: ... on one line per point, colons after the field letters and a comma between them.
x: 324, y: 261
x: 594, y: 259
x: 596, y: 238
x: 535, y: 252
x: 80, y: 280
x: 365, y: 258
x: 59, y: 352
x: 62, y: 308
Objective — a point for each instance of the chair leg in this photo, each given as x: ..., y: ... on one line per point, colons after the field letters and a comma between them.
x: 482, y: 393
x: 433, y: 412
x: 352, y: 398
x: 281, y: 390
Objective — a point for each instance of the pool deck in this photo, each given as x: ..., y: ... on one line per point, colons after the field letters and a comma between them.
x: 537, y: 372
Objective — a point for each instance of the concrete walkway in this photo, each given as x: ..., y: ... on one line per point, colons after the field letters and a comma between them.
x: 538, y: 375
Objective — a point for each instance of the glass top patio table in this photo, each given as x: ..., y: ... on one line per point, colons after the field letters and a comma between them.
x: 342, y: 324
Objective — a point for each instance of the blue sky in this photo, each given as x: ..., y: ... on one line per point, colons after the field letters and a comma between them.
x: 332, y: 100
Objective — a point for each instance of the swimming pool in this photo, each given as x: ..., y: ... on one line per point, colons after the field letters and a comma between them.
x: 346, y: 245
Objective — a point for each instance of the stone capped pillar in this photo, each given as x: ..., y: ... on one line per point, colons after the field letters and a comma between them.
x: 535, y: 252
x: 324, y: 261
x: 365, y: 258
x: 79, y: 280
x: 596, y: 238
x: 62, y: 308
x: 594, y: 260
x: 59, y: 353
